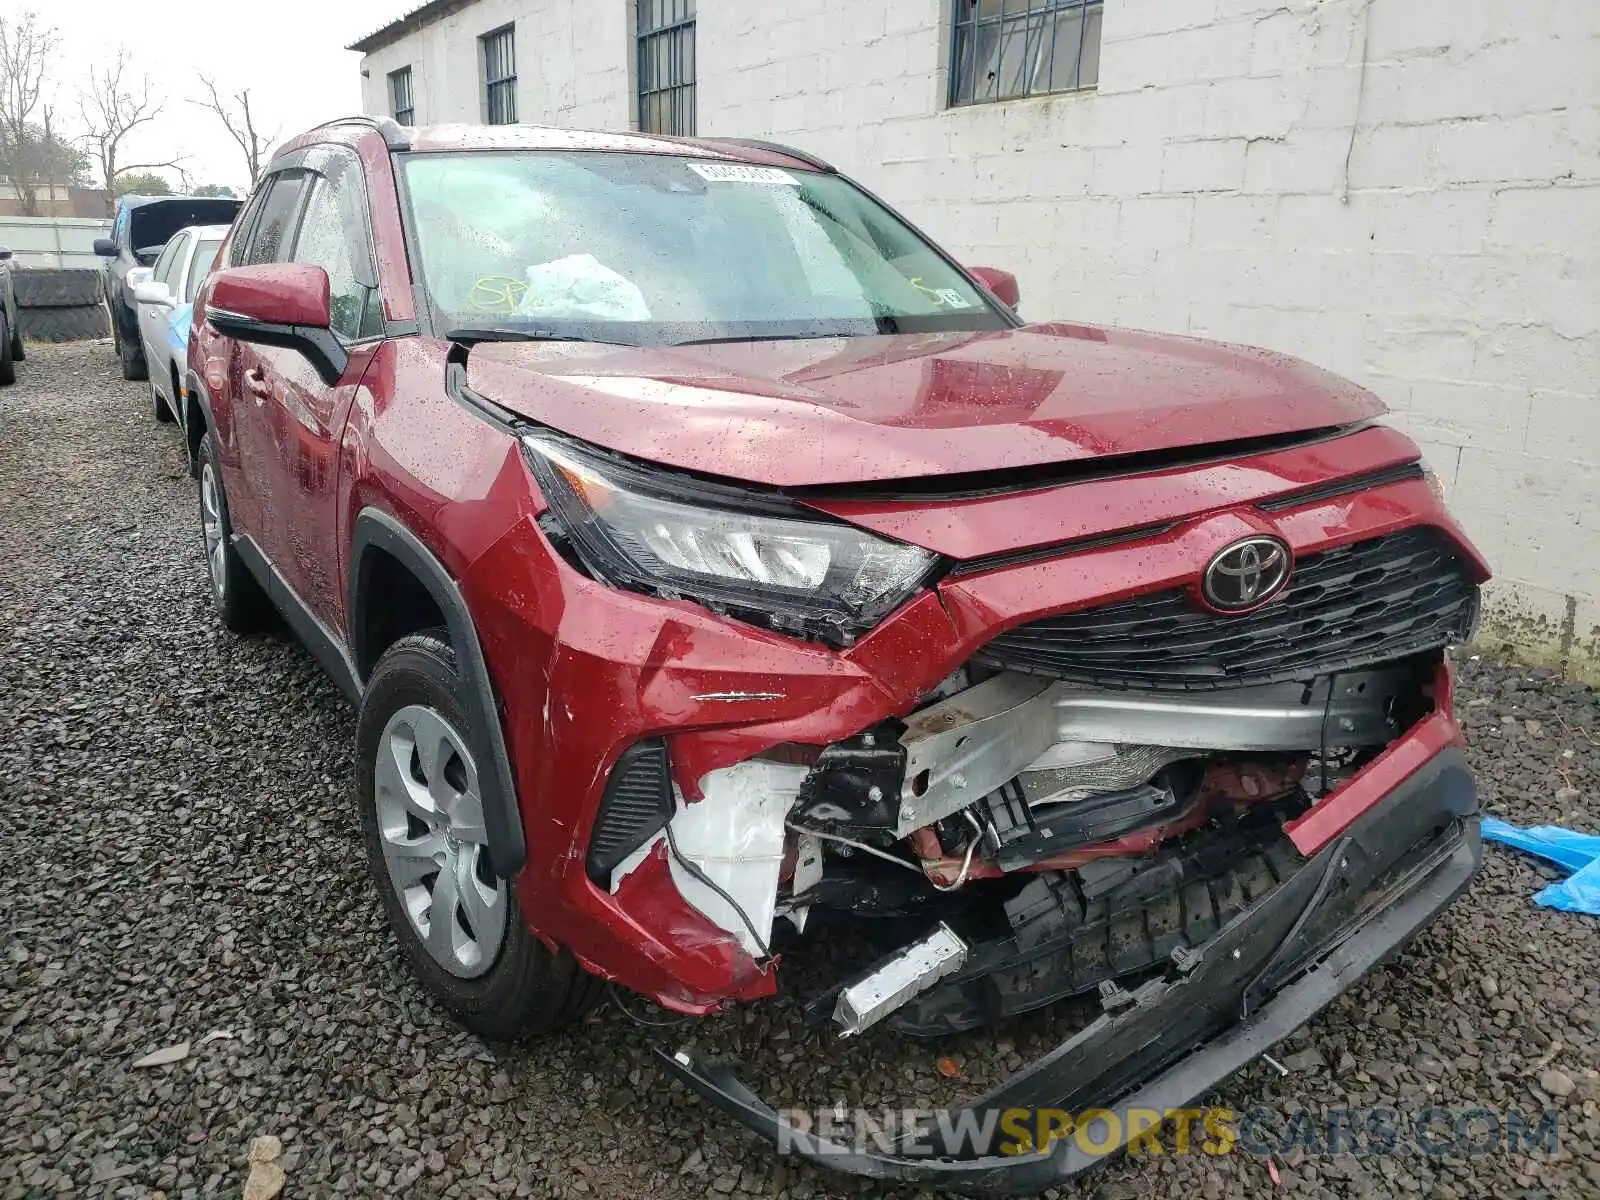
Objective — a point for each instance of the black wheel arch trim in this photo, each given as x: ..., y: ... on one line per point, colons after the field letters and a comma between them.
x: 126, y: 315
x: 375, y: 529
x: 197, y: 391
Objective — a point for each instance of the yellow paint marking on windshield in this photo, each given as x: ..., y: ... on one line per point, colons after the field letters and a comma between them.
x: 496, y: 293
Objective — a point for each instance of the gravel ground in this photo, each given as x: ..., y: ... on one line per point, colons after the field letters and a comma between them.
x: 180, y: 856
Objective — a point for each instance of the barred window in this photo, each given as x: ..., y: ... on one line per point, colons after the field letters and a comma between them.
x: 400, y: 96
x: 664, y: 30
x: 1006, y: 49
x: 500, y: 76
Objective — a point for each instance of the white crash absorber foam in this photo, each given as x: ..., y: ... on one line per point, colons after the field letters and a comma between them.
x: 734, y: 835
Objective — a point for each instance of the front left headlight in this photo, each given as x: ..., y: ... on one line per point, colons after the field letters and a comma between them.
x: 744, y: 554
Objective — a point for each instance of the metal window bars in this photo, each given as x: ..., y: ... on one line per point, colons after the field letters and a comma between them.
x: 500, y: 75
x: 1007, y: 49
x: 400, y: 103
x: 664, y: 31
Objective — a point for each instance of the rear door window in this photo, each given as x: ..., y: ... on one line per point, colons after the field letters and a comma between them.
x: 205, y: 254
x: 271, y: 239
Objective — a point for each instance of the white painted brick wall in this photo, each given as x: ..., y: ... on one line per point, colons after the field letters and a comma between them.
x: 571, y: 69
x: 1404, y: 191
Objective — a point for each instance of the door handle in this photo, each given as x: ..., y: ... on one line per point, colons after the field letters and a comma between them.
x: 255, y: 382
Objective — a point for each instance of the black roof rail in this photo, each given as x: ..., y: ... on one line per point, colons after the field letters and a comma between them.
x: 811, y: 160
x: 395, y: 135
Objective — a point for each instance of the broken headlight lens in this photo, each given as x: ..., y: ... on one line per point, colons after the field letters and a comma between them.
x: 742, y: 553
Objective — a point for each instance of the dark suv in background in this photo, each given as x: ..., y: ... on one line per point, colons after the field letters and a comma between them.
x: 139, y: 230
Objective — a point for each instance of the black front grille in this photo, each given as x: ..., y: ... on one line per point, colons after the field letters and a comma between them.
x: 636, y: 806
x: 1355, y: 606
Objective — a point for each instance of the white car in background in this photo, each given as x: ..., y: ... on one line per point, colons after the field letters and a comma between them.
x: 165, y: 298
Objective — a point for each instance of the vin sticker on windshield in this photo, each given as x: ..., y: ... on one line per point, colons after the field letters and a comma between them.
x: 742, y: 173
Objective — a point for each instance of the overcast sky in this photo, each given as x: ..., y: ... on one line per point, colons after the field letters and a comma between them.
x: 289, y: 53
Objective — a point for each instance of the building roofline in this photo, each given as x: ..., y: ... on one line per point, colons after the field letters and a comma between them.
x: 410, y: 22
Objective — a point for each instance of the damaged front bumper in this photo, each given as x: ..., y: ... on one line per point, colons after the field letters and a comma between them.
x: 1397, y: 844
x: 642, y: 715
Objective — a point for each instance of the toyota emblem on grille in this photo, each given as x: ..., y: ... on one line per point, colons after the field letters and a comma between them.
x: 1246, y: 573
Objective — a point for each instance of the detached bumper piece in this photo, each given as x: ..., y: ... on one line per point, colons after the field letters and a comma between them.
x: 1277, y: 963
x: 914, y: 969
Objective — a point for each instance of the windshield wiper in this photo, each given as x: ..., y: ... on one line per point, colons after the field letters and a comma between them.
x: 885, y: 322
x: 760, y: 337
x: 522, y: 335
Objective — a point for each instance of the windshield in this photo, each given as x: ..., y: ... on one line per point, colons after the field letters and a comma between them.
x: 648, y: 248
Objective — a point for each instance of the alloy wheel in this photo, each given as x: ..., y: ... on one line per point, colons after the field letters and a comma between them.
x: 430, y: 823
x: 211, y: 526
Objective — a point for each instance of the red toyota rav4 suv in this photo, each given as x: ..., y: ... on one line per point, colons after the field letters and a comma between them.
x: 716, y: 564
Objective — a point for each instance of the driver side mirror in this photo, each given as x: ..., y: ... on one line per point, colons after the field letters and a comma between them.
x: 278, y: 304
x: 153, y: 291
x: 104, y: 248
x: 5, y: 253
x: 1002, y: 285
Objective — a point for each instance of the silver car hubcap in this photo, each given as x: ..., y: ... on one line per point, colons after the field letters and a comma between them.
x: 430, y: 821
x: 211, y: 525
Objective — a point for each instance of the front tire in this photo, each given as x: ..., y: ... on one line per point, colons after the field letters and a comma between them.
x: 131, y: 355
x: 8, y: 366
x: 240, y: 602
x: 458, y: 926
x: 163, y: 413
x: 18, y: 352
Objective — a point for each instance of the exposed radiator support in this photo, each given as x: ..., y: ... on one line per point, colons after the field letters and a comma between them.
x: 963, y: 747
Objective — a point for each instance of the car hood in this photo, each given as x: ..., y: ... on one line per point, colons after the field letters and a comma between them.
x: 862, y: 409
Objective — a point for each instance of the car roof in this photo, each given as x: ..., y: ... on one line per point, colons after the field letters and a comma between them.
x: 210, y: 231
x: 447, y: 138
x: 444, y: 138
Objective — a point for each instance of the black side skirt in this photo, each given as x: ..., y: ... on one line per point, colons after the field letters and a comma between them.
x: 318, y: 639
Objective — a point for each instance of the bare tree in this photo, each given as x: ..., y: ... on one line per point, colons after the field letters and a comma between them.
x: 234, y: 112
x: 25, y: 49
x: 113, y: 106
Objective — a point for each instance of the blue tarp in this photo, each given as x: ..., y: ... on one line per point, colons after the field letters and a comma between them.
x: 1577, y: 852
x: 178, y: 327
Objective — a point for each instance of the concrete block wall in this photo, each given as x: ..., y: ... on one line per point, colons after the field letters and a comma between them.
x: 1404, y: 191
